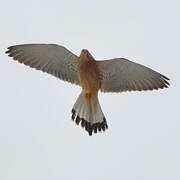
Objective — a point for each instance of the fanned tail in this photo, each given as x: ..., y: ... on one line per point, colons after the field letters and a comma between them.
x: 88, y: 113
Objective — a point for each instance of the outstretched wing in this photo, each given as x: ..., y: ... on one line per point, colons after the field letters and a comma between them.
x: 118, y: 75
x: 50, y: 58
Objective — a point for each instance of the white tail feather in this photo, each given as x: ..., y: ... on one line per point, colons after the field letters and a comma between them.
x: 88, y: 113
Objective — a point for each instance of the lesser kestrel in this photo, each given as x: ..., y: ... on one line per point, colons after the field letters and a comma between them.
x: 114, y: 75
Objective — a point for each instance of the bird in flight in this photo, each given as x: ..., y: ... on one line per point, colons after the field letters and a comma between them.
x: 114, y: 75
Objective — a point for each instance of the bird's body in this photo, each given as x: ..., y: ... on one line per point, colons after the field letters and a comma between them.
x: 88, y: 73
x: 89, y: 112
x: 115, y: 75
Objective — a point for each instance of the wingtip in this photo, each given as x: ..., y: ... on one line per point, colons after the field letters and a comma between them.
x: 7, y: 52
x: 165, y: 77
x: 9, y: 49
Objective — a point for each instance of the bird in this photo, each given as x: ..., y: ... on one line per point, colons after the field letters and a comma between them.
x: 113, y: 75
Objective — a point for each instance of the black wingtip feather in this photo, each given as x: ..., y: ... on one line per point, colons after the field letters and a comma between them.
x: 9, y: 49
x: 166, y: 82
x: 90, y: 128
x: 165, y: 77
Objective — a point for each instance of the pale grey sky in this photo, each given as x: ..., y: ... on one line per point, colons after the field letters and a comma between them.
x: 38, y: 140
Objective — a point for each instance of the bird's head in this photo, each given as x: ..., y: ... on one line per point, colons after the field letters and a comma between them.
x: 85, y: 53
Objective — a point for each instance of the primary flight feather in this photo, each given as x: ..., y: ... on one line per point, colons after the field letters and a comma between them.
x: 114, y: 75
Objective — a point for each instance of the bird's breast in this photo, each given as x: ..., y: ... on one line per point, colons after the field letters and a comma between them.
x: 89, y: 76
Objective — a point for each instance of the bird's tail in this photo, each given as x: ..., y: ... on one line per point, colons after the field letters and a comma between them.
x: 88, y: 113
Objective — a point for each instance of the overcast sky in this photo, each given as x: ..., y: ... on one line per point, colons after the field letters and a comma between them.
x: 38, y: 140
